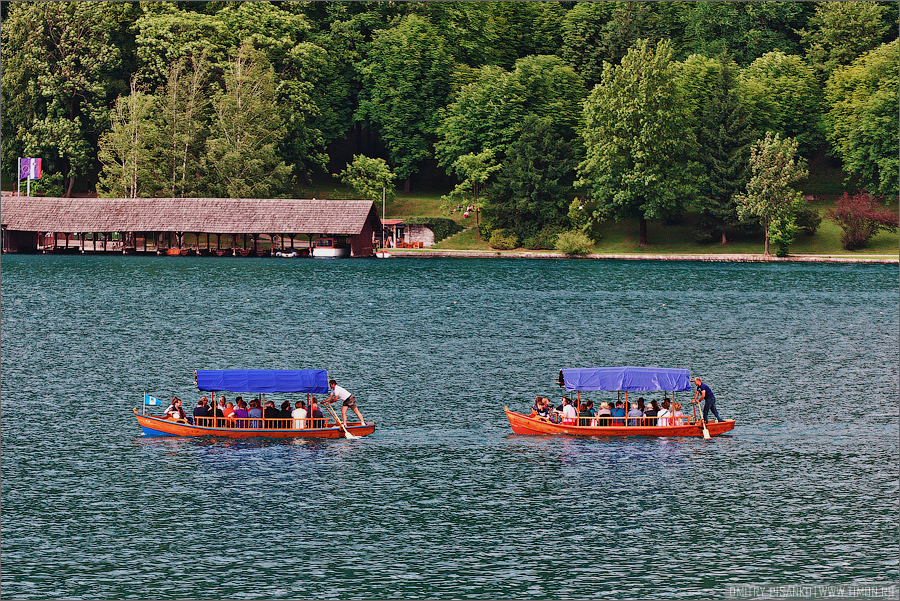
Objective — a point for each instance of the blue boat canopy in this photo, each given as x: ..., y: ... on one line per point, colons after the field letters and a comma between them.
x: 632, y: 379
x: 263, y: 380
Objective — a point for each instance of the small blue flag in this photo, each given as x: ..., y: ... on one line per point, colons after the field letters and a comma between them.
x: 150, y: 400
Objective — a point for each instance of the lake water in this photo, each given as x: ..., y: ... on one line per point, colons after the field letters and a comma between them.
x: 443, y: 501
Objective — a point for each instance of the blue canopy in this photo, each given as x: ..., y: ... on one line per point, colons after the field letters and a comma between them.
x: 632, y: 379
x: 264, y: 380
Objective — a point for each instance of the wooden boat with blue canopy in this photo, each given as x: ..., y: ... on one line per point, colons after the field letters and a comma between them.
x: 260, y: 382
x: 644, y: 380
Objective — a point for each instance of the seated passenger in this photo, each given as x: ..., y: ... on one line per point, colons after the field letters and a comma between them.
x: 241, y: 412
x: 284, y: 415
x: 255, y: 411
x: 228, y: 414
x: 317, y: 418
x: 678, y: 416
x: 584, y: 416
x: 271, y: 415
x: 604, y: 414
x: 536, y: 408
x: 618, y: 413
x: 175, y: 412
x: 569, y: 415
x: 299, y: 415
x: 200, y: 411
x: 650, y: 413
x: 640, y: 404
x: 663, y: 415
x: 543, y: 409
x: 635, y: 413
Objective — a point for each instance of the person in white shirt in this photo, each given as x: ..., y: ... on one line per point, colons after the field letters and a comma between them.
x: 664, y: 414
x: 299, y: 415
x: 347, y: 400
x: 174, y: 411
x: 570, y: 416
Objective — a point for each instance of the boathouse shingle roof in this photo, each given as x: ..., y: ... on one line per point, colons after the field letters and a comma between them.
x: 206, y: 215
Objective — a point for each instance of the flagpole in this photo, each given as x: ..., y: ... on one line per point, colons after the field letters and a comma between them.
x: 19, y: 178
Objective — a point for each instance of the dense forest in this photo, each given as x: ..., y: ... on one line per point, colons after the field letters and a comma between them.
x: 549, y: 116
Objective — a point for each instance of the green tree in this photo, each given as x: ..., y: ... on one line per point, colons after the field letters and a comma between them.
x: 488, y: 113
x: 281, y: 35
x: 841, y: 32
x: 125, y: 149
x: 369, y: 176
x: 485, y: 114
x: 474, y: 171
x: 407, y: 79
x: 723, y: 140
x: 769, y: 198
x: 784, y: 96
x: 166, y: 35
x: 747, y: 30
x: 184, y: 108
x: 60, y: 73
x: 598, y: 32
x: 534, y: 185
x: 861, y: 122
x: 246, y: 130
x: 638, y: 139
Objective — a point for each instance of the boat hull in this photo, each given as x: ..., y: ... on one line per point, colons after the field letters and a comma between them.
x: 531, y: 426
x: 155, y: 426
x: 331, y: 253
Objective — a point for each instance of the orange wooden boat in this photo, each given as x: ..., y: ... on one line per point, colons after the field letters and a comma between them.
x: 174, y: 252
x: 620, y: 379
x: 535, y: 426
x: 262, y: 382
x: 268, y: 428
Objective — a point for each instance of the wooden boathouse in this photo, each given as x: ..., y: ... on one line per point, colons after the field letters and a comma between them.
x: 232, y: 226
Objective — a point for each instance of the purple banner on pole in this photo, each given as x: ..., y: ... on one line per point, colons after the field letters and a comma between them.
x: 29, y: 168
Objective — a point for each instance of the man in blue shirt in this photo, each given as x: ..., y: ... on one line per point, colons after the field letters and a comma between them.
x: 618, y: 412
x: 705, y: 394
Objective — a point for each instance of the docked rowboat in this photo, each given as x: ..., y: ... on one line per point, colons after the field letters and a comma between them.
x: 621, y: 380
x: 262, y: 382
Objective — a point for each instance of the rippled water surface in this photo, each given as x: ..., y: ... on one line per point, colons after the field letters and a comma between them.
x: 443, y: 501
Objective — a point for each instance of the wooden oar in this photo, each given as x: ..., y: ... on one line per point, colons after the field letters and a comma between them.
x: 347, y: 434
x: 702, y: 421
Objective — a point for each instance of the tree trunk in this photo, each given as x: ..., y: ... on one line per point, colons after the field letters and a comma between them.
x: 767, y: 240
x: 69, y: 183
x: 724, y: 239
x: 643, y: 224
x: 407, y: 184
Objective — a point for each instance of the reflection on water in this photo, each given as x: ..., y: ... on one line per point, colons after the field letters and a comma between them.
x: 443, y: 501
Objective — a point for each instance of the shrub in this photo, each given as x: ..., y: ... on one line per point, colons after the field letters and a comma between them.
x: 574, y: 243
x: 860, y: 219
x: 808, y: 220
x: 544, y: 239
x: 50, y: 184
x: 503, y: 240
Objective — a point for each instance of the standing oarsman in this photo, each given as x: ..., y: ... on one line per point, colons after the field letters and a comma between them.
x: 347, y: 400
x: 704, y: 393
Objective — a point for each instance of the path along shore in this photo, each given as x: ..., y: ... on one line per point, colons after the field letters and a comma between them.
x: 719, y: 258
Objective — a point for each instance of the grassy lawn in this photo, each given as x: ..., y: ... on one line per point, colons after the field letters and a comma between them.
x: 466, y: 240
x: 622, y: 237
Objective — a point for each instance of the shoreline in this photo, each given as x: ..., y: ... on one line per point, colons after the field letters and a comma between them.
x: 709, y: 258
